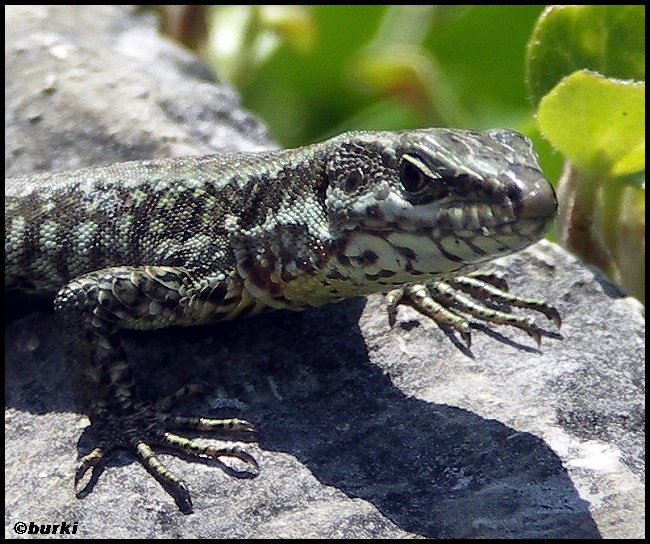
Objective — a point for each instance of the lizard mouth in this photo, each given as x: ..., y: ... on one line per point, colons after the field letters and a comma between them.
x: 442, y: 238
x: 466, y: 228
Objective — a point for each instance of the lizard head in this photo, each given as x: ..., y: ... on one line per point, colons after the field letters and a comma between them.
x: 424, y: 204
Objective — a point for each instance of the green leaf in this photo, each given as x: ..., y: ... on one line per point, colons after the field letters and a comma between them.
x: 609, y: 40
x: 597, y: 123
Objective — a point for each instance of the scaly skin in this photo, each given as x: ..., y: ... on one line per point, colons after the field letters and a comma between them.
x: 151, y: 244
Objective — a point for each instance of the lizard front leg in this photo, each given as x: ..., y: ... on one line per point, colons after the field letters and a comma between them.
x: 473, y: 294
x: 93, y: 309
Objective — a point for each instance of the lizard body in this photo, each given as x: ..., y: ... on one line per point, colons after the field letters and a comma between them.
x: 150, y: 244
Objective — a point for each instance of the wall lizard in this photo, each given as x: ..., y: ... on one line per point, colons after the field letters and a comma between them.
x: 195, y: 240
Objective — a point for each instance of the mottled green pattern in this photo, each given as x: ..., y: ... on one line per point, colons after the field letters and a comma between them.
x: 194, y: 240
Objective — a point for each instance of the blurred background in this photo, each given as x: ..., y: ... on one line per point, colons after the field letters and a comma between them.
x: 314, y: 71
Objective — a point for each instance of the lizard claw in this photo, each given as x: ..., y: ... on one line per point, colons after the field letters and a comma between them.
x: 94, y: 462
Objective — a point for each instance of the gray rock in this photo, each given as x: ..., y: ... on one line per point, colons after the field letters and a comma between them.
x: 366, y: 430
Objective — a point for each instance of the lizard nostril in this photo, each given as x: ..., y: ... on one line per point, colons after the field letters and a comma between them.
x: 539, y: 201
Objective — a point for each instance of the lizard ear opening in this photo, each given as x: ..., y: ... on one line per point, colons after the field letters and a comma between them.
x: 353, y: 181
x: 352, y: 168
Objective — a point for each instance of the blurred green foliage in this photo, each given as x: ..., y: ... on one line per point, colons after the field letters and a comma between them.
x: 586, y: 72
x: 313, y: 71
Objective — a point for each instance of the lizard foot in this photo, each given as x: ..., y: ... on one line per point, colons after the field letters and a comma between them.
x: 443, y: 300
x: 148, y: 424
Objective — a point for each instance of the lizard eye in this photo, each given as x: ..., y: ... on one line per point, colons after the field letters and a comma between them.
x: 414, y: 174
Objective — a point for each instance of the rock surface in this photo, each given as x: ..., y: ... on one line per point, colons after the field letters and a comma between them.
x: 366, y: 431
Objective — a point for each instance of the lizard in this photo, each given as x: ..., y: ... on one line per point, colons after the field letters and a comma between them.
x: 195, y: 240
